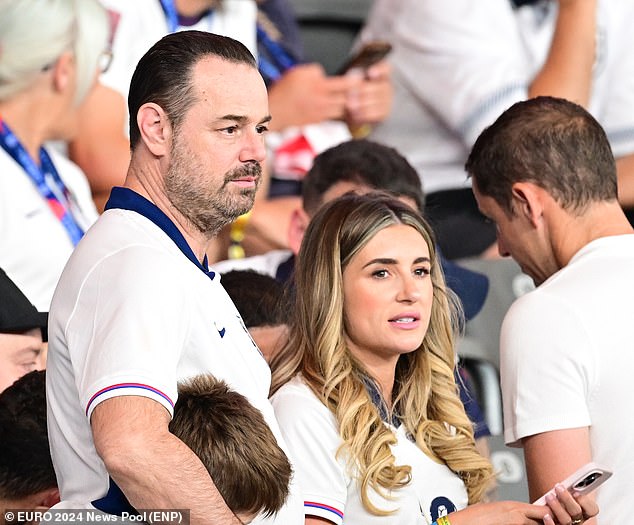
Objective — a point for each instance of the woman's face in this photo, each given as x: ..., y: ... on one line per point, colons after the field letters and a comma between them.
x: 388, y: 296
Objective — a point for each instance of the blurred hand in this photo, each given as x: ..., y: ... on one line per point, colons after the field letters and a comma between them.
x: 370, y: 99
x: 306, y: 95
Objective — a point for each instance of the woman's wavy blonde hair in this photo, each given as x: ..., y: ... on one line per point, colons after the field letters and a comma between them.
x: 426, y: 397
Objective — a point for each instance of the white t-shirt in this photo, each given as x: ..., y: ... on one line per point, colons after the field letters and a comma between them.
x: 267, y: 263
x: 332, y: 493
x: 34, y: 244
x: 133, y: 315
x: 567, y: 357
x: 458, y: 64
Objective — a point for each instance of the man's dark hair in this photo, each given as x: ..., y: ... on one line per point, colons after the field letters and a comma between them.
x: 362, y: 162
x: 249, y: 469
x: 550, y: 142
x: 261, y: 299
x: 26, y: 467
x: 164, y: 73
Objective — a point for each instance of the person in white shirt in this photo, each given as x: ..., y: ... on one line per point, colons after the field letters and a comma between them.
x: 544, y: 173
x: 50, y: 55
x: 364, y: 390
x: 137, y: 308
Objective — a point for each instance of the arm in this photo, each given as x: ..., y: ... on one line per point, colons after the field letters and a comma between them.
x: 552, y: 456
x: 101, y: 148
x: 153, y: 468
x: 567, y: 72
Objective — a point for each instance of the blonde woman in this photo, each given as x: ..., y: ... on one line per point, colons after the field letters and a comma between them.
x: 364, y: 390
x: 50, y: 54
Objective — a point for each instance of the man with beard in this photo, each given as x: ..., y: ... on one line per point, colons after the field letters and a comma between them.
x: 137, y: 307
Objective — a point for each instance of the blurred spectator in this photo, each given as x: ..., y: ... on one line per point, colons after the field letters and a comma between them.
x: 263, y: 305
x: 50, y: 53
x: 458, y: 64
x: 22, y: 332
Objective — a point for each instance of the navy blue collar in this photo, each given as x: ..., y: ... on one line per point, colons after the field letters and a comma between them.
x: 127, y: 199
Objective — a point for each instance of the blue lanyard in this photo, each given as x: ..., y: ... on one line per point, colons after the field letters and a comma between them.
x: 273, y: 59
x: 46, y: 179
x: 171, y: 14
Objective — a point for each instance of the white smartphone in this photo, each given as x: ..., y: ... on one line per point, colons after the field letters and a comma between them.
x: 583, y: 481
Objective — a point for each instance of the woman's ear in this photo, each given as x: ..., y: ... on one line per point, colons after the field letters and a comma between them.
x: 64, y: 72
x: 155, y: 128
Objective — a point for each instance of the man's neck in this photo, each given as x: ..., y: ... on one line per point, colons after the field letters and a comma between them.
x: 147, y: 180
x: 572, y: 232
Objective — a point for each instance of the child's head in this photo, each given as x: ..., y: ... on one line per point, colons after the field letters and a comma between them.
x: 235, y: 444
x: 27, y: 478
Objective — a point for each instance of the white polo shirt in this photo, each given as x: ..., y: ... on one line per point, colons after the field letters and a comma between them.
x: 134, y: 313
x: 332, y: 493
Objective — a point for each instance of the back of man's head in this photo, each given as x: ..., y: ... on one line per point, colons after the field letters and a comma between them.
x: 361, y: 162
x: 550, y: 142
x: 26, y: 468
x: 248, y: 467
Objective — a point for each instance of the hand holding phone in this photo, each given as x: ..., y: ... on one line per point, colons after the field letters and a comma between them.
x: 583, y: 481
x: 369, y: 54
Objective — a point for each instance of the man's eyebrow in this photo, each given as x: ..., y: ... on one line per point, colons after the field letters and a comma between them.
x: 242, y: 119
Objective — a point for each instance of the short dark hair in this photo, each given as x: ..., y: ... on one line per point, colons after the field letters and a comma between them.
x: 261, y: 299
x: 26, y: 467
x: 163, y: 75
x: 249, y: 469
x: 365, y: 162
x: 551, y: 142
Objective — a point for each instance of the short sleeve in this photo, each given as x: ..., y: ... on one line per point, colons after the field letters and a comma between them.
x: 310, y: 432
x: 128, y: 329
x: 545, y: 367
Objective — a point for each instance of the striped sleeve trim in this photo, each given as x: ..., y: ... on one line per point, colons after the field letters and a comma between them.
x: 323, y: 511
x: 121, y: 386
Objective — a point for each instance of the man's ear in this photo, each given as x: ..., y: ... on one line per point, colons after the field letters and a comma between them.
x: 527, y: 201
x: 155, y: 128
x: 296, y: 229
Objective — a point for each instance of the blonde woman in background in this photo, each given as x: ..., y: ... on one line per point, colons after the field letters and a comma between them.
x: 364, y: 391
x: 50, y: 54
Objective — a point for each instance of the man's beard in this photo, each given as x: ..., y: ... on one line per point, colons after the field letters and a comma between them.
x: 207, y: 208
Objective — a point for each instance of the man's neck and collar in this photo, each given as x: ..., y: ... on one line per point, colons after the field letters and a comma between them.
x: 570, y: 233
x: 146, y: 180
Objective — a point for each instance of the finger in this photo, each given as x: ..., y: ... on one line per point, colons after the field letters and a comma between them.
x: 567, y: 500
x: 589, y: 507
x: 557, y: 509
